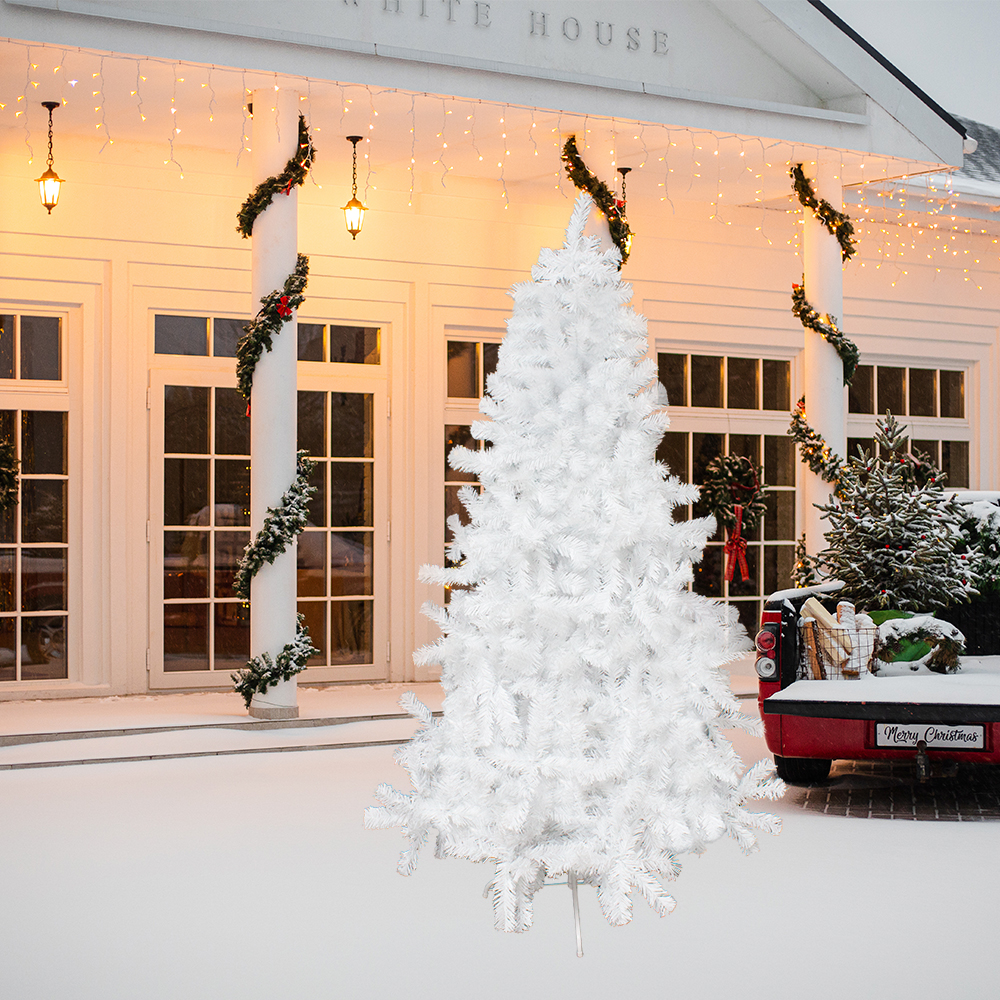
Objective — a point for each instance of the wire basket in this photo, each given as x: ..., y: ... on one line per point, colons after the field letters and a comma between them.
x: 835, y: 654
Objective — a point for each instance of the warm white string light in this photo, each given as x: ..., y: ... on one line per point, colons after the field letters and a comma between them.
x: 174, y: 128
x: 906, y: 224
x: 23, y: 99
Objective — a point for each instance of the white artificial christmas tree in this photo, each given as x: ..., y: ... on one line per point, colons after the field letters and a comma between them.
x: 585, y: 691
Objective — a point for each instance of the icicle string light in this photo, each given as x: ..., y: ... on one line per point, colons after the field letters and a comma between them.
x: 174, y: 129
x: 23, y: 99
x: 913, y: 225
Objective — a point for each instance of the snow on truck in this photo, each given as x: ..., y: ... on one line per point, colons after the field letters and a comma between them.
x: 825, y: 694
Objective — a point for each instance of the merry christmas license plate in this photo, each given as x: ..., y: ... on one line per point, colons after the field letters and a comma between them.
x: 906, y: 735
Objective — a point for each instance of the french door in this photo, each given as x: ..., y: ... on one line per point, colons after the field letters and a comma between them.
x: 199, y: 524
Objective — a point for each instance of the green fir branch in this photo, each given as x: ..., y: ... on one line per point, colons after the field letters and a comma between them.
x: 813, y: 450
x: 276, y: 309
x: 281, y: 525
x: 584, y: 180
x: 837, y: 223
x: 8, y: 475
x: 294, y: 174
x: 826, y: 326
x: 262, y: 672
x: 806, y: 571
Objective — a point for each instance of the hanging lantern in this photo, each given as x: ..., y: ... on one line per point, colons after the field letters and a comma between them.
x: 50, y: 182
x: 354, y: 210
x: 622, y: 208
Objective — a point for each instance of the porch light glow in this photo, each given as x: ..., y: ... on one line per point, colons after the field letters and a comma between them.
x: 50, y: 182
x: 354, y: 210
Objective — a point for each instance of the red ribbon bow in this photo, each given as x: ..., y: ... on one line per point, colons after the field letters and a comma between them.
x: 288, y: 186
x: 737, y: 546
x: 284, y: 310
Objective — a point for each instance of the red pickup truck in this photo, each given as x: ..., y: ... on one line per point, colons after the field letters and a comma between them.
x: 920, y: 716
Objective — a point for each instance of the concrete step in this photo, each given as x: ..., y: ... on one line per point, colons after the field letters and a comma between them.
x: 174, y: 742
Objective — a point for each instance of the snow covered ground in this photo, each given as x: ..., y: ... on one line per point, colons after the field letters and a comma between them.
x: 251, y: 876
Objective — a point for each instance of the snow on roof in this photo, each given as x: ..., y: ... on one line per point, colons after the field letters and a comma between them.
x: 984, y: 163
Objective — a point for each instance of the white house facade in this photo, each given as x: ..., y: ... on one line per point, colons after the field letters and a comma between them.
x: 121, y: 308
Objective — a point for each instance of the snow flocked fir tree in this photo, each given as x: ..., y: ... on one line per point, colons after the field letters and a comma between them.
x: 585, y: 691
x: 892, y: 539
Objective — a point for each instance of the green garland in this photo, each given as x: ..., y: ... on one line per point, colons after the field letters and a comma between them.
x: 731, y: 480
x: 826, y: 326
x: 604, y: 199
x: 276, y: 309
x: 837, y: 223
x: 281, y: 525
x: 262, y: 672
x: 805, y: 573
x: 294, y: 173
x: 284, y: 522
x: 813, y: 450
x: 8, y: 475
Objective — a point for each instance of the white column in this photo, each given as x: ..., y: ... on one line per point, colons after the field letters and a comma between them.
x: 824, y: 370
x: 273, y: 410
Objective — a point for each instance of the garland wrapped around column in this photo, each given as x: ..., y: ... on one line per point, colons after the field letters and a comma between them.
x: 837, y: 223
x: 276, y: 309
x: 813, y: 450
x: 826, y: 326
x: 8, y: 475
x: 262, y: 672
x: 295, y: 173
x: 282, y: 523
x: 281, y: 526
x: 584, y: 180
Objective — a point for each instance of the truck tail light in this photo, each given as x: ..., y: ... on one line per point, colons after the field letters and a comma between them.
x: 766, y: 641
x: 766, y: 668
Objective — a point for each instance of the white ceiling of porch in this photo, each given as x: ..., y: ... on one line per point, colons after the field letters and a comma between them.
x: 170, y: 111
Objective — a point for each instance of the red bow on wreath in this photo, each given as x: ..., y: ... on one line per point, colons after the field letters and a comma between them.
x: 288, y: 186
x: 284, y: 310
x: 737, y: 547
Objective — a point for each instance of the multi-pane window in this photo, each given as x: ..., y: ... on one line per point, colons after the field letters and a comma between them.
x: 771, y: 547
x: 217, y: 337
x: 724, y: 382
x: 206, y: 517
x: 917, y: 392
x: 31, y: 348
x: 932, y: 399
x: 336, y: 551
x: 34, y: 549
x: 34, y: 539
x: 206, y: 499
x: 735, y: 386
x: 470, y: 364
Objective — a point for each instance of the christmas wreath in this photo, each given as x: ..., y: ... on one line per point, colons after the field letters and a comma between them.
x: 837, y: 223
x: 584, y: 180
x: 813, y: 450
x: 294, y: 174
x: 733, y: 492
x: 276, y: 309
x: 8, y: 475
x: 826, y: 326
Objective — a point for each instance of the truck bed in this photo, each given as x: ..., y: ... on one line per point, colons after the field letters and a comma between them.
x: 972, y: 694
